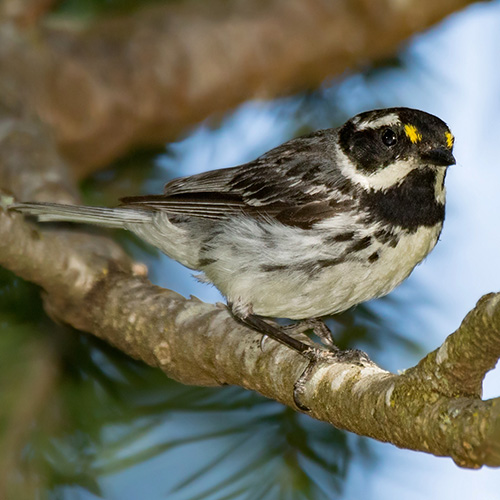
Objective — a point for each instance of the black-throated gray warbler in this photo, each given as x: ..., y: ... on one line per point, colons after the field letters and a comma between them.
x: 311, y: 228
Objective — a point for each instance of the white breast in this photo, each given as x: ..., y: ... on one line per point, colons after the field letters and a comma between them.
x: 291, y: 293
x: 269, y: 267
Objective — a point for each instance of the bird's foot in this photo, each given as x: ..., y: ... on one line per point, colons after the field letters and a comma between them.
x: 320, y: 356
x: 314, y: 355
x: 315, y: 325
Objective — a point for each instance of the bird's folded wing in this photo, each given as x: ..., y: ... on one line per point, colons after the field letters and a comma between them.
x: 284, y: 185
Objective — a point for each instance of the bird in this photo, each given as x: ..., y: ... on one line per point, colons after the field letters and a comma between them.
x: 309, y: 229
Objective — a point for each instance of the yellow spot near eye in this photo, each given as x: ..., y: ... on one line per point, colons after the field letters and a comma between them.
x: 412, y: 133
x: 449, y: 139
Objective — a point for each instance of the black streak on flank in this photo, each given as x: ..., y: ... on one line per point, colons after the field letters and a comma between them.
x: 206, y: 262
x: 360, y: 244
x: 383, y: 235
x: 386, y: 237
x: 322, y: 263
x: 339, y: 238
x: 267, y: 268
x: 409, y: 205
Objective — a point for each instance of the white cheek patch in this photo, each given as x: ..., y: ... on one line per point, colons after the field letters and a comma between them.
x: 390, y: 175
x: 347, y: 170
x: 380, y: 179
x: 439, y: 188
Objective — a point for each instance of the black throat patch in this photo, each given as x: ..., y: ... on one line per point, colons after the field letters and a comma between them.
x: 409, y: 205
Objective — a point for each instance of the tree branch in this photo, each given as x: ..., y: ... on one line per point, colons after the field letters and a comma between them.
x: 25, y: 13
x: 198, y: 343
x: 459, y: 366
x: 143, y: 79
x: 35, y: 376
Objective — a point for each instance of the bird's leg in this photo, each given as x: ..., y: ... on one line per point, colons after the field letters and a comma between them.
x: 318, y: 327
x: 275, y: 332
x: 313, y: 354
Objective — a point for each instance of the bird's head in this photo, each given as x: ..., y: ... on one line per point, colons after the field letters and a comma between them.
x: 382, y: 147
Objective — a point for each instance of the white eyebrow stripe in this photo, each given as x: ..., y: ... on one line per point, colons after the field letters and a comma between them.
x: 384, y: 121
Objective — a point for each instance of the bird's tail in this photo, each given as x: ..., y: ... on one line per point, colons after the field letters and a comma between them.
x: 100, y: 216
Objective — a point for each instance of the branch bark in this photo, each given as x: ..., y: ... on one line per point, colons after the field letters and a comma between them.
x: 427, y: 408
x: 31, y: 386
x: 25, y: 13
x: 143, y: 79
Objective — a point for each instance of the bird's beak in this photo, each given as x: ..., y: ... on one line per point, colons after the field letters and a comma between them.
x: 441, y: 157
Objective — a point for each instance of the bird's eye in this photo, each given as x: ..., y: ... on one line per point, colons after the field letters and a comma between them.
x: 389, y: 137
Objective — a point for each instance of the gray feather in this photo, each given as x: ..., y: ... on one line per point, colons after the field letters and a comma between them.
x: 101, y: 216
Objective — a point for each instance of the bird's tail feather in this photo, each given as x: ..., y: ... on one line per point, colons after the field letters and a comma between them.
x: 101, y: 216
